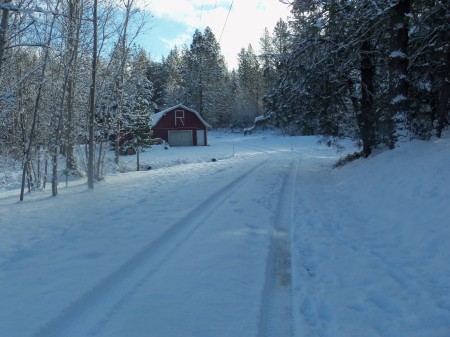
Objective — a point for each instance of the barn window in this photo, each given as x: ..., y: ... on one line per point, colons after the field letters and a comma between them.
x: 179, y: 117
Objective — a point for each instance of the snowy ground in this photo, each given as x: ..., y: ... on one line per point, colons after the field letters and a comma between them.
x: 266, y: 241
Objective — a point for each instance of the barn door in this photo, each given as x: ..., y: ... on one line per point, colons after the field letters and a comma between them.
x: 180, y: 138
x: 201, y: 137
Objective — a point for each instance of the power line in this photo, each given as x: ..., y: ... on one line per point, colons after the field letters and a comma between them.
x: 201, y: 13
x: 229, y: 10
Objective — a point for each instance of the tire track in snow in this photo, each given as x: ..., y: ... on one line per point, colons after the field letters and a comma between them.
x: 92, y: 309
x: 276, y: 315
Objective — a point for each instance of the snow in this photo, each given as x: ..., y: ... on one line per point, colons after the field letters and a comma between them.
x: 268, y: 240
x: 398, y: 53
x: 398, y: 99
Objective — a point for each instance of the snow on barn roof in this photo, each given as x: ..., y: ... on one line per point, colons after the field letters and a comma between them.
x: 157, y: 116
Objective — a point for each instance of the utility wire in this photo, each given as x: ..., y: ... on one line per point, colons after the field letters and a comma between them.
x: 201, y: 13
x: 229, y: 10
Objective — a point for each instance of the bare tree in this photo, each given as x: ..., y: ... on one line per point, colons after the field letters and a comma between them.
x: 92, y: 97
x: 27, y: 154
x: 3, y: 29
x: 75, y: 12
x: 120, y: 82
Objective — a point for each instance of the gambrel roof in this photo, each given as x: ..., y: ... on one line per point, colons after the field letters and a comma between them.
x: 157, y: 116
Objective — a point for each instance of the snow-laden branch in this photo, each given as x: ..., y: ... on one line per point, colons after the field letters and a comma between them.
x: 398, y: 54
x: 27, y: 45
x: 15, y: 8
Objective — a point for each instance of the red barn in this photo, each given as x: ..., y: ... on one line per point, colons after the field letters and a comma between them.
x: 180, y: 126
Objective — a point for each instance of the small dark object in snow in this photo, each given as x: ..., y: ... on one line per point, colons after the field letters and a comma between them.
x: 348, y: 159
x: 213, y: 160
x: 166, y: 147
x: 157, y: 141
x: 145, y: 167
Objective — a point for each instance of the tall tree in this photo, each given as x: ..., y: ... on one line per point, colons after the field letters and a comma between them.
x: 70, y: 29
x: 138, y: 105
x: 92, y: 96
x: 3, y: 30
x: 310, y: 93
x: 428, y: 67
x: 204, y: 71
x: 281, y: 40
x: 28, y: 150
x: 172, y: 89
x: 250, y: 82
x: 398, y: 72
x: 443, y: 106
x: 124, y: 47
x: 73, y: 24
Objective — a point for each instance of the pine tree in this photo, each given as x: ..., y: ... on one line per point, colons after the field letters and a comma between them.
x: 281, y: 40
x: 429, y: 70
x: 327, y: 78
x: 204, y: 72
x: 398, y: 72
x: 250, y: 84
x: 174, y: 91
x: 268, y: 60
x: 138, y: 106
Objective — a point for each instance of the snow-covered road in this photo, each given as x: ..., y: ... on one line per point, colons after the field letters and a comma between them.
x: 210, y: 256
x: 266, y: 241
x: 191, y: 265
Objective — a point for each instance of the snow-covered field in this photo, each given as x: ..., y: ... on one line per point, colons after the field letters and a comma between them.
x: 267, y: 240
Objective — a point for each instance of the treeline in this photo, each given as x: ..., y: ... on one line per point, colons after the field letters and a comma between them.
x: 75, y: 85
x: 197, y: 75
x: 374, y: 70
x: 377, y: 71
x: 47, y: 64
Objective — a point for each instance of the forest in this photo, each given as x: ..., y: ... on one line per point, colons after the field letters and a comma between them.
x: 74, y: 83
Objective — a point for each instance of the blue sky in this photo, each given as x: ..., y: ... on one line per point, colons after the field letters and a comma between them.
x: 174, y: 22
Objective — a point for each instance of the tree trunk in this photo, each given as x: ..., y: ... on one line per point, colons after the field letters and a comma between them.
x: 398, y: 72
x: 27, y: 154
x: 3, y: 29
x: 66, y: 89
x: 91, y: 153
x: 124, y: 47
x: 442, y: 110
x: 55, y: 173
x: 365, y: 119
x: 75, y: 10
x: 138, y: 168
x: 101, y: 154
x: 56, y: 145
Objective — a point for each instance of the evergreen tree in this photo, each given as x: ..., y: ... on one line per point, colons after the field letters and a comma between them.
x: 204, y: 72
x: 138, y: 105
x: 281, y: 41
x: 174, y: 90
x: 429, y: 69
x: 374, y: 71
x: 268, y: 61
x: 399, y: 112
x: 309, y: 96
x: 250, y: 83
x: 155, y: 74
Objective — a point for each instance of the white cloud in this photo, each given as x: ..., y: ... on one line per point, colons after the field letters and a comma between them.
x: 178, y: 41
x: 245, y: 25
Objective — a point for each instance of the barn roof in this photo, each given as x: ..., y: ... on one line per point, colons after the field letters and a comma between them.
x: 157, y: 116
